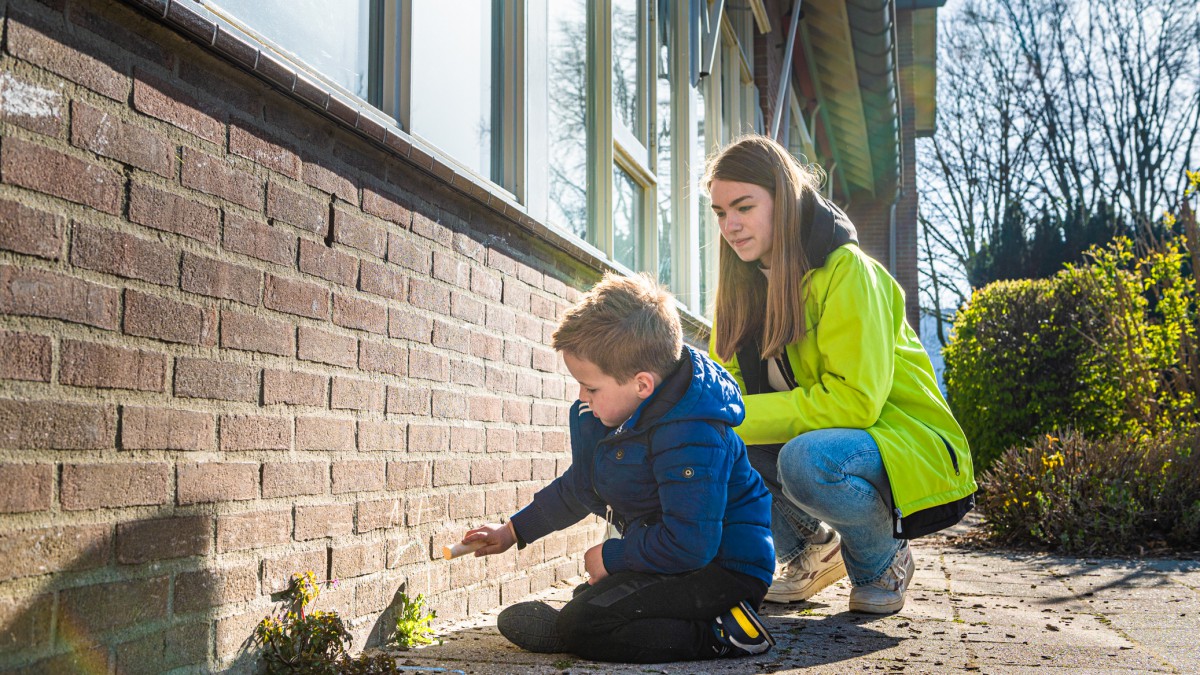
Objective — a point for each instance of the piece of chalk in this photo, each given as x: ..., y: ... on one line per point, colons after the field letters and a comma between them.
x: 456, y: 550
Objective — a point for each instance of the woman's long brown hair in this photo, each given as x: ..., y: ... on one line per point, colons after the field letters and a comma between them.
x: 751, y: 305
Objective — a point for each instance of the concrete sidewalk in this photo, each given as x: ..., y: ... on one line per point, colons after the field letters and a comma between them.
x: 967, y: 610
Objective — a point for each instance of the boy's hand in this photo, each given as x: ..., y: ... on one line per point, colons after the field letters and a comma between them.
x: 499, y: 538
x: 593, y: 562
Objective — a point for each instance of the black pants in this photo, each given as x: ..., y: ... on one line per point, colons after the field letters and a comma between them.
x: 634, y: 617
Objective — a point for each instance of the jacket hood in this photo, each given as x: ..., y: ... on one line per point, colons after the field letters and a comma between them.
x: 699, y: 388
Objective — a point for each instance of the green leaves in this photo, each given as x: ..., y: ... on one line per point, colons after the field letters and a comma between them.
x: 412, y: 623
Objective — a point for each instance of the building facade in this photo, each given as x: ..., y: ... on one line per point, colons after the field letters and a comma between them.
x: 277, y: 280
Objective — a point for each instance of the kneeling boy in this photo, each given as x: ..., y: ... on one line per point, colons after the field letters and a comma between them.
x: 653, y: 449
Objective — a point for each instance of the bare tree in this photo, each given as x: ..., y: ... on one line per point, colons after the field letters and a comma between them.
x: 1063, y: 110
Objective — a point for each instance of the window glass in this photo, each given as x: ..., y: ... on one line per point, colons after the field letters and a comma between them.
x: 627, y: 64
x: 707, y: 225
x: 567, y: 133
x: 663, y: 124
x: 451, y: 81
x: 627, y: 205
x: 330, y: 36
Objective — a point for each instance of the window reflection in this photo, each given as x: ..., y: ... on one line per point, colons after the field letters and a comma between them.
x: 451, y: 99
x: 627, y: 202
x: 663, y: 123
x: 567, y: 133
x: 627, y: 62
x: 330, y: 36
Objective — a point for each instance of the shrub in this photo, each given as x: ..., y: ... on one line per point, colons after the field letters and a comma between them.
x: 412, y: 623
x: 1105, y: 497
x: 301, y: 639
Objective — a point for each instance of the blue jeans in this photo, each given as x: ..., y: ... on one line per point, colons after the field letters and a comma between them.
x: 836, y: 477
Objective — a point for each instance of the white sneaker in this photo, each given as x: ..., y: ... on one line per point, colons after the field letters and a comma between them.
x: 885, y: 595
x: 815, y: 569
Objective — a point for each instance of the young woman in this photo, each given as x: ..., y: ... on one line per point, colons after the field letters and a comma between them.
x: 848, y: 425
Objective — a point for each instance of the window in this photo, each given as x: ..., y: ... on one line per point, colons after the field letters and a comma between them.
x: 591, y: 114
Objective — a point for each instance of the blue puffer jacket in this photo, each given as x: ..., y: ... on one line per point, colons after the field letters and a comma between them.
x: 682, y: 492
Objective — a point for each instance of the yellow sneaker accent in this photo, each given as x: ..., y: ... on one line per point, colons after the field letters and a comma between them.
x: 744, y: 622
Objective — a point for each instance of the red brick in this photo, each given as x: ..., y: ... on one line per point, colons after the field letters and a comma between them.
x: 426, y: 508
x: 37, y: 108
x: 468, y: 439
x: 517, y: 470
x: 330, y: 181
x: 98, y: 486
x: 486, y: 409
x: 486, y: 283
x: 451, y: 472
x: 352, y: 312
x: 359, y: 476
x: 319, y: 260
x: 216, y: 482
x: 109, y: 136
x: 386, y: 206
x: 425, y: 294
x: 294, y: 388
x: 450, y: 336
x: 357, y: 233
x: 428, y: 365
x: 428, y: 438
x: 467, y: 245
x: 324, y: 433
x: 164, y: 538
x: 385, y: 436
x: 24, y: 356
x: 408, y: 475
x: 230, y: 92
x: 102, y: 609
x: 250, y: 332
x: 103, y: 250
x: 55, y: 173
x: 64, y: 55
x: 29, y: 487
x: 327, y: 520
x: 545, y: 359
x: 379, y: 279
x: 112, y: 25
x: 168, y: 649
x: 221, y: 380
x: 516, y: 295
x: 347, y: 562
x: 468, y: 505
x: 256, y: 529
x: 218, y: 177
x: 259, y: 240
x: 450, y: 269
x: 487, y: 347
x: 53, y: 425
x: 218, y: 279
x: 300, y: 210
x: 87, y: 364
x: 325, y: 347
x: 517, y: 354
x: 208, y: 588
x: 499, y: 380
x: 485, y: 471
x: 166, y: 429
x: 529, y: 385
x: 170, y: 212
x: 170, y: 104
x: 263, y: 147
x: 347, y: 393
x: 382, y: 358
x: 432, y: 230
x: 151, y: 316
x: 450, y: 404
x: 409, y: 400
x: 406, y: 252
x: 24, y: 229
x: 467, y: 372
x: 302, y: 298
x: 466, y: 308
x: 277, y: 573
x: 25, y: 621
x: 381, y: 514
x: 407, y: 324
x: 502, y: 500
x: 291, y: 479
x: 53, y: 550
x: 500, y: 319
x: 253, y: 432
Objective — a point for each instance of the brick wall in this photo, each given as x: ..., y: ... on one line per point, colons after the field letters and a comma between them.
x: 238, y: 341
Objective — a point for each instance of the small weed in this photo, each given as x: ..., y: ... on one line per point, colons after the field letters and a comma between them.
x: 563, y: 664
x: 412, y: 623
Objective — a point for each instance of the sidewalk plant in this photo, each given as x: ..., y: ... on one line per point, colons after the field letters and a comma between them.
x: 413, y: 620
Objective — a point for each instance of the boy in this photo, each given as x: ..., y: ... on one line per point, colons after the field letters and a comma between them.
x: 653, y: 450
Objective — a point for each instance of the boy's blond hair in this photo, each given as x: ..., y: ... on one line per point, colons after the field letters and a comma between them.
x: 624, y: 325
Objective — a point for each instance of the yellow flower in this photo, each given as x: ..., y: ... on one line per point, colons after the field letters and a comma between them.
x: 1168, y: 219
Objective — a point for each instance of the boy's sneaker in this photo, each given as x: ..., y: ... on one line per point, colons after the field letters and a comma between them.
x: 885, y: 595
x: 819, y: 566
x: 532, y: 626
x: 739, y: 632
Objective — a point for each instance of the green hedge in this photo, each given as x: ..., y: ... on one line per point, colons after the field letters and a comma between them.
x: 1100, y: 348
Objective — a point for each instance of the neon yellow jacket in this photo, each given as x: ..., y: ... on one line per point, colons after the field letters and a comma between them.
x: 861, y: 366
